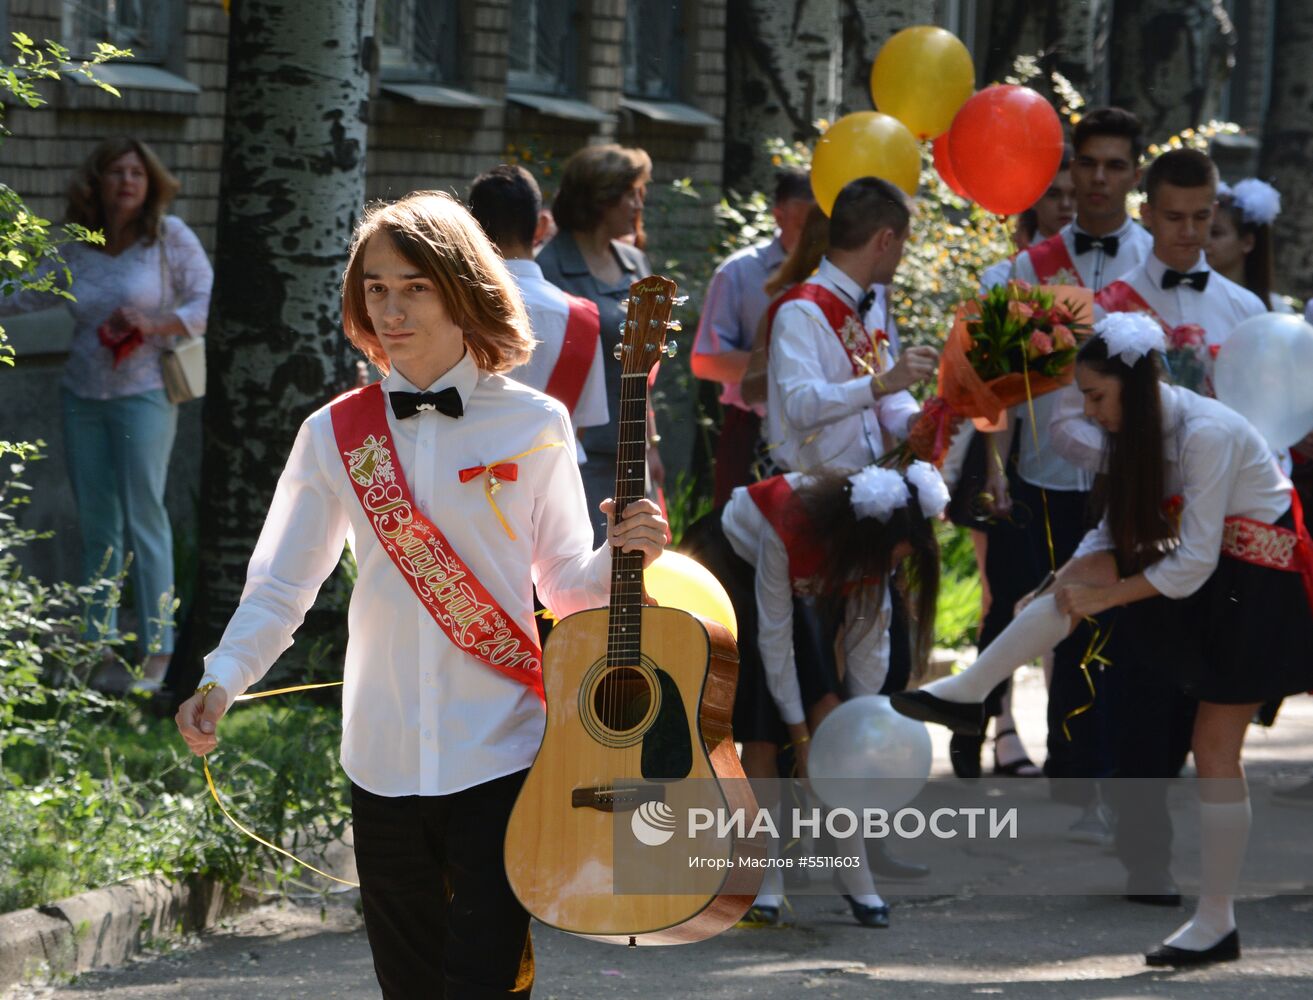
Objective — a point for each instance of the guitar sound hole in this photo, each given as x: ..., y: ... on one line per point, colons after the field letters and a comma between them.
x: 622, y: 699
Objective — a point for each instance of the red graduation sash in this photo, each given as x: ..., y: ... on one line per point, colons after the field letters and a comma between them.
x: 842, y: 318
x: 1121, y: 297
x: 1049, y: 258
x: 774, y: 498
x: 582, y: 328
x: 1274, y: 547
x: 463, y: 608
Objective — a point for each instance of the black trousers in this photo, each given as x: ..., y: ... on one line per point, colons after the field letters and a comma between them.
x: 440, y: 915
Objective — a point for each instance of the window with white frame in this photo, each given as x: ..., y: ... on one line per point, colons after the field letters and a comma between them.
x: 653, y: 56
x: 147, y: 27
x: 419, y: 40
x: 542, y: 46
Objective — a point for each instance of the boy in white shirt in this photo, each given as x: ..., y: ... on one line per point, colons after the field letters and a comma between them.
x: 442, y: 697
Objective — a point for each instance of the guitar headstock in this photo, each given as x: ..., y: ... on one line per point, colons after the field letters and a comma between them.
x: 643, y: 334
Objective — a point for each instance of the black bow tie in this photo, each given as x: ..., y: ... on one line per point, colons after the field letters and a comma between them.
x: 1198, y: 280
x: 1108, y: 244
x: 865, y: 303
x: 407, y: 404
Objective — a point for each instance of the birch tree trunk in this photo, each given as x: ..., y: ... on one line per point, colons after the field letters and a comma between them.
x: 293, y: 185
x: 783, y: 71
x: 1169, y: 61
x: 1288, y: 146
x: 865, y: 27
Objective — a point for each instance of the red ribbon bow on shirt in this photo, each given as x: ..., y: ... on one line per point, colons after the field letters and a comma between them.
x: 119, y: 338
x: 506, y: 470
x: 1187, y: 335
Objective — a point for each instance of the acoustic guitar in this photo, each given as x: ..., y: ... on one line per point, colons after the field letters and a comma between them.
x: 639, y: 700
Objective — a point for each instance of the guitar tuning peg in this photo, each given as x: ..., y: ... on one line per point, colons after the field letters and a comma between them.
x: 621, y: 328
x: 679, y: 300
x: 618, y: 350
x: 669, y: 348
x: 674, y: 325
x: 624, y: 303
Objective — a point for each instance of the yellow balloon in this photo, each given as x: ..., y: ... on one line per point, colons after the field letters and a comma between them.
x: 864, y: 144
x: 676, y: 581
x: 922, y: 76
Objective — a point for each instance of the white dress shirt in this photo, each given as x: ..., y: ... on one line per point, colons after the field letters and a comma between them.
x: 1095, y: 268
x: 1217, y: 309
x: 419, y: 715
x: 818, y: 414
x: 866, y: 641
x: 1220, y: 467
x: 1040, y: 464
x: 549, y: 312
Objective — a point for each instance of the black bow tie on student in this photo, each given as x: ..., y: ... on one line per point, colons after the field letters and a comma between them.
x: 865, y: 303
x: 1108, y: 244
x: 407, y: 404
x: 1198, y: 280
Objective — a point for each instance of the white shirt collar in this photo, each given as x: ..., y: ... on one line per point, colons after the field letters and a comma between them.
x: 524, y: 268
x: 464, y: 375
x: 1155, y: 268
x: 840, y: 280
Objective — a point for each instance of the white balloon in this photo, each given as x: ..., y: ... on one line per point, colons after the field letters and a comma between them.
x: 865, y: 755
x: 1264, y: 372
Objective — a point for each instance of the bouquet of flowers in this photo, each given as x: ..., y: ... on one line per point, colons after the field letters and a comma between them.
x: 1016, y: 342
x: 1190, y: 359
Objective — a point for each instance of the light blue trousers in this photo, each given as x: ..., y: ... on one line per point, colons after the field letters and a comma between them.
x: 118, y: 460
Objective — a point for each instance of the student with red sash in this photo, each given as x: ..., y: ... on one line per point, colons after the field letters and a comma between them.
x: 836, y: 398
x: 835, y: 539
x: 1196, y: 306
x: 459, y: 491
x: 1202, y: 546
x: 567, y: 360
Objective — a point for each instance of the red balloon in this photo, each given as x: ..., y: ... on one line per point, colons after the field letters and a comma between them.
x: 1006, y: 146
x: 944, y: 164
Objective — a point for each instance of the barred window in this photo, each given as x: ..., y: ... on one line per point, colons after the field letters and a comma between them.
x: 419, y: 40
x: 654, y: 49
x: 543, y: 37
x: 144, y: 26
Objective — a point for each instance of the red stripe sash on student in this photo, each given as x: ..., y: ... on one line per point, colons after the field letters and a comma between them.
x: 858, y: 344
x: 582, y: 329
x: 460, y: 604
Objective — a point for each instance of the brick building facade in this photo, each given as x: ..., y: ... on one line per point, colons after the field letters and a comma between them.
x: 456, y: 83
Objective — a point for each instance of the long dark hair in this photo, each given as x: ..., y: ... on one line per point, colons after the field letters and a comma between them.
x: 1258, y: 262
x: 858, y: 556
x: 1130, y: 491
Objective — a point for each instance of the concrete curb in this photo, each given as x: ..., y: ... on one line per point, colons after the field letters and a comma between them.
x: 105, y: 927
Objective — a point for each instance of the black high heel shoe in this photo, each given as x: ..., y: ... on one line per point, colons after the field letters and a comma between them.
x: 964, y: 755
x: 869, y: 916
x: 967, y: 718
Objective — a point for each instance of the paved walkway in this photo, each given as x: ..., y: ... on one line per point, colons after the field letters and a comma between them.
x: 960, y: 946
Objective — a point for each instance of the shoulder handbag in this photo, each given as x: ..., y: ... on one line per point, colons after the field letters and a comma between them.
x: 183, y: 365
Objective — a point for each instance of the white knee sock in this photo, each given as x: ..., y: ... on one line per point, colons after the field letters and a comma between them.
x: 856, y: 882
x: 1223, y: 833
x: 1032, y: 634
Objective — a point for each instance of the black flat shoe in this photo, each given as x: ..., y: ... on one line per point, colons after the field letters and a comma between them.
x: 1226, y: 950
x: 1022, y: 767
x: 885, y: 865
x: 966, y: 718
x: 869, y: 916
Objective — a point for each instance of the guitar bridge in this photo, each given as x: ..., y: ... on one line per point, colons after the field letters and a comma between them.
x: 616, y: 798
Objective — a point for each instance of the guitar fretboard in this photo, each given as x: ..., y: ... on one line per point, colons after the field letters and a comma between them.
x: 625, y: 639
